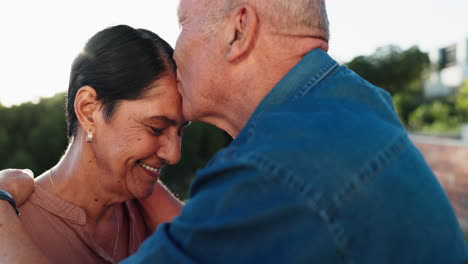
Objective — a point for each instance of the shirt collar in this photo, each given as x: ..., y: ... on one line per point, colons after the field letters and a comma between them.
x: 57, y: 206
x: 310, y: 70
x: 312, y: 67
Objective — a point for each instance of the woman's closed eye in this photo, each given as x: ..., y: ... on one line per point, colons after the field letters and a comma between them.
x: 156, y: 131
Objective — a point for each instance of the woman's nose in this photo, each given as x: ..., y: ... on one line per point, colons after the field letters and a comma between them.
x: 169, y: 150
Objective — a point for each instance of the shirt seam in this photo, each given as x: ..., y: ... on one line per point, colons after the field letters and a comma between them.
x: 369, y: 171
x: 321, y: 74
x: 315, y: 200
x: 326, y: 207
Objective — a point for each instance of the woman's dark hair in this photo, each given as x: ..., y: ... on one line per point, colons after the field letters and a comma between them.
x: 120, y: 63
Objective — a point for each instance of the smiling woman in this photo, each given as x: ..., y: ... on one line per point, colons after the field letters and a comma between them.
x: 124, y: 123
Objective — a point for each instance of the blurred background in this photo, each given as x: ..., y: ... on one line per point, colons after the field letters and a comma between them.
x: 416, y: 50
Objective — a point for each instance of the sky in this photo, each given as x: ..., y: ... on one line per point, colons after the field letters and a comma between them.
x: 40, y: 38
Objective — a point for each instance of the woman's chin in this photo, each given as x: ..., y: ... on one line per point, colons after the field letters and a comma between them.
x: 144, y: 192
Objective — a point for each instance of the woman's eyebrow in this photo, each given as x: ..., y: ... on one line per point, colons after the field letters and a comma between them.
x: 169, y: 121
x: 164, y: 119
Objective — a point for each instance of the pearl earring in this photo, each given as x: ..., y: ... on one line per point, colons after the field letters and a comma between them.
x: 89, y: 136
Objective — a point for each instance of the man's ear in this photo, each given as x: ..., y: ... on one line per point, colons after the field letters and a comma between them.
x: 243, y: 30
x: 86, y: 107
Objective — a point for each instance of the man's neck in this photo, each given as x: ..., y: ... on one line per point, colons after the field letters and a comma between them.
x: 272, y: 60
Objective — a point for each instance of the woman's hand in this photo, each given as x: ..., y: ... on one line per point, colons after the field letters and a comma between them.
x: 162, y: 206
x: 19, y: 183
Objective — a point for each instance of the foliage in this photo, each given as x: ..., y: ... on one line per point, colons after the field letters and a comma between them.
x: 34, y: 136
x: 442, y: 115
x: 400, y: 72
x: 436, y: 116
x: 404, y: 103
x: 461, y: 102
x: 393, y: 69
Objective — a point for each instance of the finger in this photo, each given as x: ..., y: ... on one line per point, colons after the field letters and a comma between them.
x: 28, y: 172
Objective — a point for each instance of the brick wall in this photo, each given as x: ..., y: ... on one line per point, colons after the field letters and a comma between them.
x: 448, y: 158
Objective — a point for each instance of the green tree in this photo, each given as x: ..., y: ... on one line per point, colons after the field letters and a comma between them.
x: 461, y: 102
x: 393, y: 69
x: 400, y: 72
x: 33, y: 135
x: 404, y: 105
x: 436, y: 116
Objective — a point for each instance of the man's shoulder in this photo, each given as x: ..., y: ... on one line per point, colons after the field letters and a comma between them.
x: 319, y: 127
x: 328, y: 139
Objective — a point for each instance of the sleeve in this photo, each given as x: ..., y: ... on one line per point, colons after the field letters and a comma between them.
x: 239, y: 214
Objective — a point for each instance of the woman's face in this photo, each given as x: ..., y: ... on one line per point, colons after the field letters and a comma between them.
x: 142, y: 137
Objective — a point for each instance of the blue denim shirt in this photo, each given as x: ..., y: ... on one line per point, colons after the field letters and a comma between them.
x: 323, y: 172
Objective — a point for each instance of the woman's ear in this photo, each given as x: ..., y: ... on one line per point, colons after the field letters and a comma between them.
x: 243, y: 28
x: 86, y: 107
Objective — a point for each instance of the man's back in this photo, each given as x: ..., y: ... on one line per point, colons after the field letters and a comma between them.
x: 323, y: 172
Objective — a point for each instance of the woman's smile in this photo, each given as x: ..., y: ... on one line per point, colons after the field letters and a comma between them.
x: 152, y: 171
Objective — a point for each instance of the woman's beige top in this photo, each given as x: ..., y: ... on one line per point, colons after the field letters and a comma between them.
x: 60, y: 230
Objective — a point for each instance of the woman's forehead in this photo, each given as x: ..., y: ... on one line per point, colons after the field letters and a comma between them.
x: 159, y: 103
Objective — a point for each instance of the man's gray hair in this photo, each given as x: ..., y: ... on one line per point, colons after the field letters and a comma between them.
x: 289, y: 16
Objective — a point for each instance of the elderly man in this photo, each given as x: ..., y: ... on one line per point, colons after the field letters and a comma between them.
x: 320, y: 171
